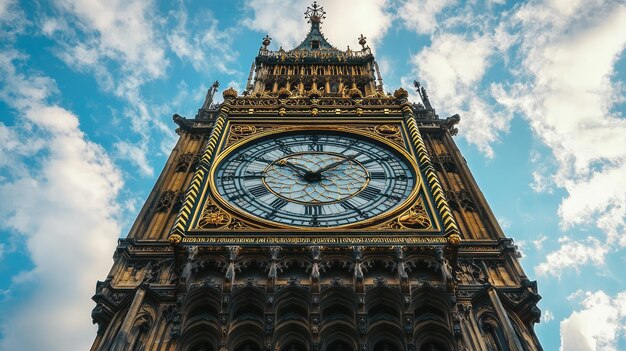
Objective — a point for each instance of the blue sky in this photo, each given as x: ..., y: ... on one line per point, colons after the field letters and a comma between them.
x: 88, y: 88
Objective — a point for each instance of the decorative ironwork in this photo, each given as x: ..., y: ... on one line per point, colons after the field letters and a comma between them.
x: 315, y: 13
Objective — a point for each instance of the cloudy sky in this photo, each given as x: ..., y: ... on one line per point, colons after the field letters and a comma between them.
x: 88, y: 88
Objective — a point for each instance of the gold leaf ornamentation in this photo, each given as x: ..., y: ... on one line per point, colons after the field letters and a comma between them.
x: 415, y: 217
x: 213, y: 217
x: 387, y: 129
x: 242, y: 129
x: 230, y: 93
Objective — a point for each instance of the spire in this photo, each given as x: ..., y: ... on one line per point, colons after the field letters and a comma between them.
x: 315, y: 40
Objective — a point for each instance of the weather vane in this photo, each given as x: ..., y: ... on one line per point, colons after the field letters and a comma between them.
x: 315, y: 13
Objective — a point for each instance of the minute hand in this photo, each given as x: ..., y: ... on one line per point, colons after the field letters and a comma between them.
x: 300, y: 170
x: 335, y: 164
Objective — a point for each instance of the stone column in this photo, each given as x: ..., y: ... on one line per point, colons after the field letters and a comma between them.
x: 122, y: 342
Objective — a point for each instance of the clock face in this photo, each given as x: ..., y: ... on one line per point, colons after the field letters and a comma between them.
x: 314, y: 178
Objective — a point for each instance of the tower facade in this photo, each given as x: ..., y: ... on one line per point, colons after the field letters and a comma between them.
x: 316, y: 212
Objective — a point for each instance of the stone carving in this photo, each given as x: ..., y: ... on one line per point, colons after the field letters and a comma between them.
x: 415, y: 217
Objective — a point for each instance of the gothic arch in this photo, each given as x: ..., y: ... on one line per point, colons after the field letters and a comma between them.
x: 338, y: 303
x: 384, y: 306
x: 385, y: 338
x: 430, y: 304
x: 492, y: 332
x: 522, y: 332
x: 338, y: 306
x: 292, y: 303
x: 431, y: 315
x: 141, y: 327
x: 433, y: 336
x: 200, y: 313
x: 246, y: 336
x: 201, y: 304
x: 247, y: 304
x: 292, y: 336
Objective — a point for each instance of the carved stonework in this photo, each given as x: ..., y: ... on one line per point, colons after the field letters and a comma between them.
x: 241, y: 131
x: 415, y: 217
x: 184, y: 161
x: 377, y: 263
x: 166, y: 200
x: 213, y: 217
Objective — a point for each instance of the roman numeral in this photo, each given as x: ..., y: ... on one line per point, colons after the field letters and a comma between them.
x: 278, y: 203
x: 259, y: 190
x: 378, y: 175
x: 312, y: 210
x: 316, y: 147
x: 349, y: 206
x: 369, y: 193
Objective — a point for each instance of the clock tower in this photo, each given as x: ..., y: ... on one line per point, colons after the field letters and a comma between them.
x: 315, y: 211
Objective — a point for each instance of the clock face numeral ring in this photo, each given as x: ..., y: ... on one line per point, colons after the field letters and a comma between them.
x: 314, y: 178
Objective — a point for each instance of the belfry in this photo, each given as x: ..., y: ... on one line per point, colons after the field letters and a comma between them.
x: 315, y: 211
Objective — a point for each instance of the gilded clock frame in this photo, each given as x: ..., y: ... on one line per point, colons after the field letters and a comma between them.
x: 227, y: 146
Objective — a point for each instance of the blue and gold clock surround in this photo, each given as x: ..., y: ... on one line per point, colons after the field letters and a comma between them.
x: 315, y: 178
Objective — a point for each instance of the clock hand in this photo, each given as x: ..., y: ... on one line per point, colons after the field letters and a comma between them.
x: 301, y: 171
x: 336, y: 164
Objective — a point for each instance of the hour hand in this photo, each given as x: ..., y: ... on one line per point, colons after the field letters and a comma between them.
x: 300, y: 170
x: 336, y: 164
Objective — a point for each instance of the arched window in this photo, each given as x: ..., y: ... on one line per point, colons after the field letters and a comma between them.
x: 492, y: 333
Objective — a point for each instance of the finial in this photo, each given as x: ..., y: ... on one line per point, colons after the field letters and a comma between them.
x: 266, y: 41
x: 362, y: 41
x: 315, y: 13
x: 422, y: 93
x: 208, y: 100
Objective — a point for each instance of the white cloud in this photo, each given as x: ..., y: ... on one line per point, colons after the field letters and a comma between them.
x: 120, y: 44
x: 539, y: 242
x: 547, y: 316
x: 569, y: 51
x: 573, y: 254
x: 452, y: 76
x: 206, y: 48
x: 599, y: 325
x: 136, y: 154
x: 542, y: 181
x: 122, y: 30
x: 369, y: 18
x: 63, y: 210
x: 421, y: 16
